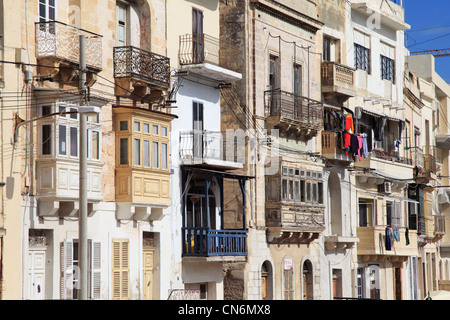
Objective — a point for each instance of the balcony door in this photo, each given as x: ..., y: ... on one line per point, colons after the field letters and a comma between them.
x: 197, y: 116
x: 197, y: 36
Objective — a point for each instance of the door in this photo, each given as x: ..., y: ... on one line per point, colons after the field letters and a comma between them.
x: 197, y: 36
x: 398, y: 284
x: 148, y: 272
x: 264, y: 289
x: 198, y: 129
x: 36, y: 274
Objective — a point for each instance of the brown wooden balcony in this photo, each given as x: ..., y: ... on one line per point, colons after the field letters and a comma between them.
x: 289, y: 111
x: 338, y: 80
x: 58, y: 43
x: 331, y: 149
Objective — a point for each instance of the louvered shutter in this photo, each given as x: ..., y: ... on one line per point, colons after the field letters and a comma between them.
x: 120, y: 269
x: 95, y: 268
x: 66, y: 263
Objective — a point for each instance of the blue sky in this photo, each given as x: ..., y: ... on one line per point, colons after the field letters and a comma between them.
x: 432, y: 15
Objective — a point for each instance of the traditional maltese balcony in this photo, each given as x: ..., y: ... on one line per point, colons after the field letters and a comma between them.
x: 58, y: 46
x: 140, y: 72
x: 338, y: 80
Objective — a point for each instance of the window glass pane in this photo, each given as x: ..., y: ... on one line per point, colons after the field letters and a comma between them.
x: 320, y: 187
x: 314, y: 192
x: 137, y: 126
x: 46, y: 110
x: 155, y: 129
x: 61, y: 109
x: 284, y: 189
x: 62, y: 140
x: 123, y: 125
x: 137, y: 152
x: 124, y: 151
x: 291, y: 189
x: 164, y: 131
x: 73, y: 142
x: 308, y: 191
x: 302, y: 191
x: 46, y: 139
x: 155, y: 155
x: 297, y: 190
x: 73, y: 115
x: 164, y: 163
x: 146, y: 152
x: 146, y: 128
x: 95, y: 145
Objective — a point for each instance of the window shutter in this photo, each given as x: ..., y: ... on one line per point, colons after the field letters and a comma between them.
x: 120, y: 270
x: 95, y: 265
x: 66, y: 263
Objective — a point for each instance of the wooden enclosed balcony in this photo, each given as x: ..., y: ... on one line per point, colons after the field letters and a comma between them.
x: 292, y: 112
x: 338, y: 80
x: 138, y: 69
x: 57, y: 44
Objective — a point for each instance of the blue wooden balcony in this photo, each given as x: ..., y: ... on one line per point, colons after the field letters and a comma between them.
x: 204, y: 242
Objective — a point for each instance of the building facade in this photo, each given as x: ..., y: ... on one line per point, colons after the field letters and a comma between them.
x: 239, y: 149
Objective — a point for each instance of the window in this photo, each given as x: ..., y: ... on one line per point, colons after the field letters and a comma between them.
x: 155, y: 155
x: 362, y: 58
x: 149, y: 144
x: 146, y: 153
x: 47, y: 10
x: 137, y: 152
x: 46, y: 139
x: 73, y: 142
x: 121, y: 25
x: 70, y: 271
x: 366, y: 212
x: 297, y: 186
x: 164, y: 162
x: 123, y: 151
x: 393, y: 214
x: 327, y: 49
x: 387, y: 68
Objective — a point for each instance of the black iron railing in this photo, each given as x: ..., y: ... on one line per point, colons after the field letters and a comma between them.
x: 196, y: 49
x: 132, y: 62
x: 308, y: 112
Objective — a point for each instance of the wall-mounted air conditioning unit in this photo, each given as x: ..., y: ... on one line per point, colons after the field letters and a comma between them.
x: 385, y: 187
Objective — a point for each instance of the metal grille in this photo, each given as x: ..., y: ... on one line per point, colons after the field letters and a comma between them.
x: 362, y: 58
x: 132, y: 62
x: 57, y: 39
x: 196, y: 49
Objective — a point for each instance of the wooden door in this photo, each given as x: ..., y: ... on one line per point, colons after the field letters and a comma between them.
x: 148, y: 263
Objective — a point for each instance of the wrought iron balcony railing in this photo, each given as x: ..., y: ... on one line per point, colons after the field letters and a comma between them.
x: 55, y: 39
x: 290, y: 107
x: 197, y: 49
x: 132, y: 62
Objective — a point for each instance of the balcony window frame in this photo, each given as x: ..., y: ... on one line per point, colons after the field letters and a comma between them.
x: 69, y: 122
x: 141, y: 134
x: 45, y: 8
x: 288, y: 192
